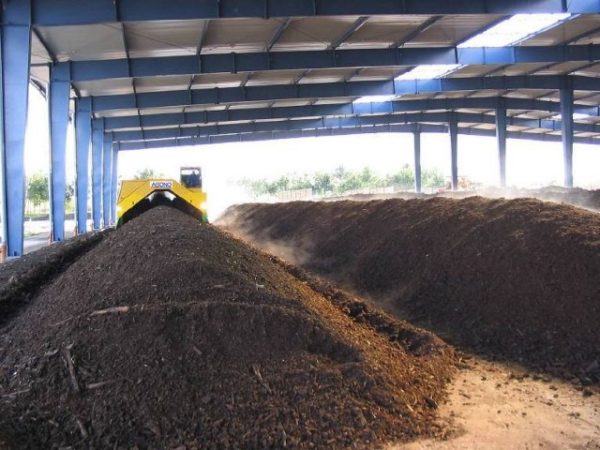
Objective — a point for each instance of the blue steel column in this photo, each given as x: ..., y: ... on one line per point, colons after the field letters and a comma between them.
x: 114, y: 186
x: 58, y: 107
x: 501, y: 140
x: 417, y: 150
x: 83, y: 137
x: 97, y: 152
x: 566, y: 112
x: 106, y: 179
x: 16, y: 49
x: 453, y: 132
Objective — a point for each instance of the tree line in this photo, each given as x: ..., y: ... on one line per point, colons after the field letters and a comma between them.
x: 341, y: 180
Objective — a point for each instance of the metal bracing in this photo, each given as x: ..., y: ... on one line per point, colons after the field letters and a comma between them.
x: 16, y: 48
x: 566, y: 104
x: 417, y: 154
x: 321, y: 132
x: 107, y: 154
x: 304, y: 60
x: 453, y: 134
x: 328, y: 90
x: 339, y: 110
x: 81, y: 12
x: 58, y: 112
x: 114, y: 186
x: 97, y: 157
x: 501, y: 140
x: 83, y: 139
x: 333, y: 122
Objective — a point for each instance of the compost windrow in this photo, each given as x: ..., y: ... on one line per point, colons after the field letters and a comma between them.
x: 516, y: 279
x: 170, y: 333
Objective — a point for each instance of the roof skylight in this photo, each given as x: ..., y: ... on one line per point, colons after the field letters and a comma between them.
x: 429, y: 72
x: 374, y: 99
x: 515, y: 29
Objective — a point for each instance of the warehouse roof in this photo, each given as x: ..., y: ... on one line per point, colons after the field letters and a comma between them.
x: 340, y: 65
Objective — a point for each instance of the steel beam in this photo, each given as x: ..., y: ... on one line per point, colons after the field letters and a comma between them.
x: 107, y: 154
x: 417, y: 152
x: 307, y: 60
x: 328, y: 90
x: 114, y: 186
x: 501, y: 140
x: 453, y: 134
x: 97, y: 156
x: 16, y: 50
x: 323, y: 132
x: 83, y: 139
x: 340, y: 110
x: 332, y: 122
x: 58, y: 107
x: 83, y: 12
x: 566, y: 105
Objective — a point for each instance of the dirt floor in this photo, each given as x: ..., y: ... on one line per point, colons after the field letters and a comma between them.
x: 517, y: 279
x: 171, y: 334
x: 496, y: 407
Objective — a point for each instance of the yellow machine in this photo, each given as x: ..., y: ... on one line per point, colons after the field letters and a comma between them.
x: 138, y: 196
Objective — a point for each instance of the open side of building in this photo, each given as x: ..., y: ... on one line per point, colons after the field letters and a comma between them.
x: 136, y: 75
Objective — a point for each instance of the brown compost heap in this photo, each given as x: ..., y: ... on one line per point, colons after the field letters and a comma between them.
x: 172, y: 334
x: 519, y: 279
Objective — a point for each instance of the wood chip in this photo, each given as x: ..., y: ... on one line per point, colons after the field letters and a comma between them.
x: 71, y: 367
x: 113, y: 310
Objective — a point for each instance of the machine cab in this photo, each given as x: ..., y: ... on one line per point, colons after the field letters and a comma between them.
x: 191, y: 178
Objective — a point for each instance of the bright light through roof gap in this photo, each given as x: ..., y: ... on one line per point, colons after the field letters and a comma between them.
x: 576, y: 116
x: 429, y: 72
x: 375, y: 99
x: 515, y: 29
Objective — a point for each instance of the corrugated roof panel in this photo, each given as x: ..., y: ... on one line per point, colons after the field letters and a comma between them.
x: 384, y: 31
x: 566, y: 31
x: 450, y: 30
x: 326, y: 76
x: 378, y: 73
x: 518, y: 69
x: 39, y: 55
x: 590, y: 71
x: 475, y: 70
x: 588, y: 100
x: 158, y: 84
x: 456, y: 94
x: 163, y: 38
x: 117, y: 113
x: 528, y: 93
x: 40, y: 73
x: 163, y: 110
x: 487, y: 93
x: 333, y: 101
x: 209, y: 81
x: 313, y: 33
x: 249, y: 105
x: 117, y: 86
x: 274, y: 77
x: 85, y: 42
x: 291, y: 103
x: 239, y: 35
x: 202, y: 108
x: 562, y: 68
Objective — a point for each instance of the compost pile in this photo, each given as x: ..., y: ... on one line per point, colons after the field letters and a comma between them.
x: 519, y: 279
x: 172, y: 334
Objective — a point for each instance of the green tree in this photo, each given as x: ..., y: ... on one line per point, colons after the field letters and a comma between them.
x: 69, y: 192
x: 433, y: 178
x: 147, y: 174
x: 37, y: 189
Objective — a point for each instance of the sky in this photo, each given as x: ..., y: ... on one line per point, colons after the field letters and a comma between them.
x: 529, y: 163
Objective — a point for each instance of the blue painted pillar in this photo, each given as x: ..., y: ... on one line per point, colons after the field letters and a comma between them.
x: 453, y: 132
x: 501, y: 140
x: 97, y: 152
x: 417, y: 149
x: 106, y: 179
x: 15, y: 40
x: 566, y: 112
x: 83, y: 138
x: 114, y: 186
x: 58, y: 106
